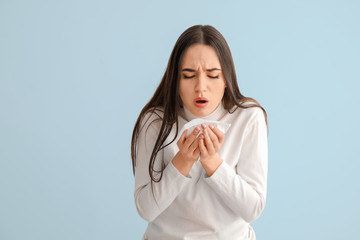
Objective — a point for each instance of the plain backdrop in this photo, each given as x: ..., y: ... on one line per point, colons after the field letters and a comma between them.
x: 74, y: 76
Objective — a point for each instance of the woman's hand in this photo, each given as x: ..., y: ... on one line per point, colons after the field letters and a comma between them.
x: 188, y: 153
x: 189, y: 146
x: 209, y: 144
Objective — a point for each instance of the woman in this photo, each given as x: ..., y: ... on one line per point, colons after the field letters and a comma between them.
x: 208, y: 183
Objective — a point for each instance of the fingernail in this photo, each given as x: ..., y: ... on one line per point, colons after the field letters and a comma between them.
x: 211, y: 126
x: 203, y: 125
x: 197, y: 129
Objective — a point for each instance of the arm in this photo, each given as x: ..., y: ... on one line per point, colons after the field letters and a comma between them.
x: 165, y: 191
x: 244, y: 189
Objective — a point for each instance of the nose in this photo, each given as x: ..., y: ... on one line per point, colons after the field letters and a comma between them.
x: 201, y: 84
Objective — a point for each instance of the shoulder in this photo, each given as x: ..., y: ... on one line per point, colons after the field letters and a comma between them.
x: 248, y: 112
x: 152, y: 118
x: 254, y: 113
x: 248, y: 115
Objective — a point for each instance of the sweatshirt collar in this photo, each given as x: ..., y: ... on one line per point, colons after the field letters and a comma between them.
x: 214, y: 116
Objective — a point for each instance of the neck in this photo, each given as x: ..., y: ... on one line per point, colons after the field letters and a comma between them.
x: 215, y: 115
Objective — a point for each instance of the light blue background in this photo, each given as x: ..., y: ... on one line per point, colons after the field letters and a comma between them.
x: 74, y: 76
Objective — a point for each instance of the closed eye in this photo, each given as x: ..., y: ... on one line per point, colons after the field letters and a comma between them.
x: 214, y: 76
x: 187, y: 77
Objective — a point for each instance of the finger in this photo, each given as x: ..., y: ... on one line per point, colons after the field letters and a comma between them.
x: 204, y: 127
x: 190, y: 139
x: 209, y: 144
x: 202, y: 147
x: 197, y: 152
x: 194, y: 145
x: 182, y: 137
x: 214, y: 139
x: 220, y: 135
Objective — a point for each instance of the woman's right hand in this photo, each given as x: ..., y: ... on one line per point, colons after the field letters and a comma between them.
x: 189, y: 146
x: 188, y: 153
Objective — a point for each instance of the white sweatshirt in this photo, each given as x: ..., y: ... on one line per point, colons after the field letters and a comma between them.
x: 197, y: 206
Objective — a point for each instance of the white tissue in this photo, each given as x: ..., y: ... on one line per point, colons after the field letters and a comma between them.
x: 197, y: 123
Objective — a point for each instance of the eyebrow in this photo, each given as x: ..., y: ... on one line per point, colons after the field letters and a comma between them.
x: 193, y: 70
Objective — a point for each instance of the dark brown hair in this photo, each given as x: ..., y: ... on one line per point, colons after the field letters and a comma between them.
x: 167, y: 99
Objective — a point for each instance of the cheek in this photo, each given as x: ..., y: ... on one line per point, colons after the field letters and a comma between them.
x: 218, y: 85
x: 220, y: 89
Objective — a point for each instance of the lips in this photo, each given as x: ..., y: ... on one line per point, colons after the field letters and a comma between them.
x: 201, y: 102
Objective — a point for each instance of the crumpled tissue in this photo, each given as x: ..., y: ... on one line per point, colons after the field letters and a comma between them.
x: 197, y: 123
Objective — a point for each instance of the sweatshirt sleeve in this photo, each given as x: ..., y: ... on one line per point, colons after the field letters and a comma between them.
x: 172, y: 181
x: 244, y: 188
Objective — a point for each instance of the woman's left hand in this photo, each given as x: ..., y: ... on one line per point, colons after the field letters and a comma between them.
x: 209, y: 144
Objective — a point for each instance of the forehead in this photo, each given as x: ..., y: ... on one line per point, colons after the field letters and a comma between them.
x: 200, y: 55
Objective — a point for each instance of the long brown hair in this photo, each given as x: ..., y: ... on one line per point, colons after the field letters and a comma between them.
x: 167, y: 99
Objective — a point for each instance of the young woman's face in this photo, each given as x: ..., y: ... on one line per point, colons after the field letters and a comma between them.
x: 202, y: 83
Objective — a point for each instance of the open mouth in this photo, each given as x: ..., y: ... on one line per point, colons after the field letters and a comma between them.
x: 200, y: 102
